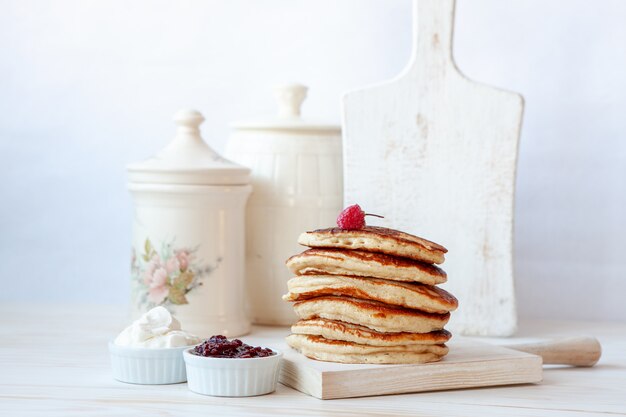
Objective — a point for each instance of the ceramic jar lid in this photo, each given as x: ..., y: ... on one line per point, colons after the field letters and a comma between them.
x: 188, y: 159
x: 289, y: 98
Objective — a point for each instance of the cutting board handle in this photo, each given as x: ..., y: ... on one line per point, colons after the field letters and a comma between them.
x: 576, y: 351
x: 433, y: 25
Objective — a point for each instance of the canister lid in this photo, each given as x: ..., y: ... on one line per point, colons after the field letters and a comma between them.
x: 289, y: 98
x: 188, y: 159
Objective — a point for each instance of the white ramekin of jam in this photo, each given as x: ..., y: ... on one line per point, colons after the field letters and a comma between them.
x: 231, y: 368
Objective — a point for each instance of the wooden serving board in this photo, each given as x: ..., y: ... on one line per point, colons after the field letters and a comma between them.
x: 468, y: 365
x: 435, y: 153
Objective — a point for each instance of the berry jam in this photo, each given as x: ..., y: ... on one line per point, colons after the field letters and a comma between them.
x: 221, y: 347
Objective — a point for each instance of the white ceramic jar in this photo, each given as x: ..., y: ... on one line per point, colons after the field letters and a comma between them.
x: 188, y: 233
x: 297, y: 181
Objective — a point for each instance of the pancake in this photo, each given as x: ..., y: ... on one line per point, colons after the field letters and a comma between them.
x: 339, y: 330
x: 377, y: 316
x: 365, y: 264
x: 410, y: 295
x: 376, y: 239
x: 319, y: 348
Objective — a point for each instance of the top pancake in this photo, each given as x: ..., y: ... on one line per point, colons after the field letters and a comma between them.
x: 376, y: 239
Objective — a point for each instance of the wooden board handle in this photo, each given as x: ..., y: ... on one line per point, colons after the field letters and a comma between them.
x: 576, y: 351
x: 433, y: 24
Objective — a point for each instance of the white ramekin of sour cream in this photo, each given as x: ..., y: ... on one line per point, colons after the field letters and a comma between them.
x: 150, y: 351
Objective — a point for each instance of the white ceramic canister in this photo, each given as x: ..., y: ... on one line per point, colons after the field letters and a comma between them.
x: 189, y: 233
x: 298, y: 186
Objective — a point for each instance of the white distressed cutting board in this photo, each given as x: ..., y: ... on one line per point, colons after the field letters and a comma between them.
x: 468, y: 365
x: 435, y: 153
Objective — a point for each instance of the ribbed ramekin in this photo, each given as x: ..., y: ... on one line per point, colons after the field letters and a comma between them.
x: 148, y: 366
x: 232, y: 377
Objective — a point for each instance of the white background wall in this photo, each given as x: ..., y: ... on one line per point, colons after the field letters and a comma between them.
x: 88, y: 86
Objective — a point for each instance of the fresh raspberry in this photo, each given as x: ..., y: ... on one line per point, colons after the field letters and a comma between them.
x: 351, y: 218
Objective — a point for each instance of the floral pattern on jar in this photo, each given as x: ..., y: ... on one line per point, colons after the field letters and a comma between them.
x: 165, y: 277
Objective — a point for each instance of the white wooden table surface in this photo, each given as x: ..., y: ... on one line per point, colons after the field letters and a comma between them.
x: 54, y: 362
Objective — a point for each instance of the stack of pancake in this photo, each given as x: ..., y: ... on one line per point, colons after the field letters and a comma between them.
x: 369, y: 296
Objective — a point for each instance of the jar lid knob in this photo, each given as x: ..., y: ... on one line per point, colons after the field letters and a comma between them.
x: 290, y: 98
x: 188, y: 120
x: 188, y: 144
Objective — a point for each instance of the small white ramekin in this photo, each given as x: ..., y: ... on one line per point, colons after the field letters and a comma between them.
x: 232, y: 377
x: 147, y: 365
